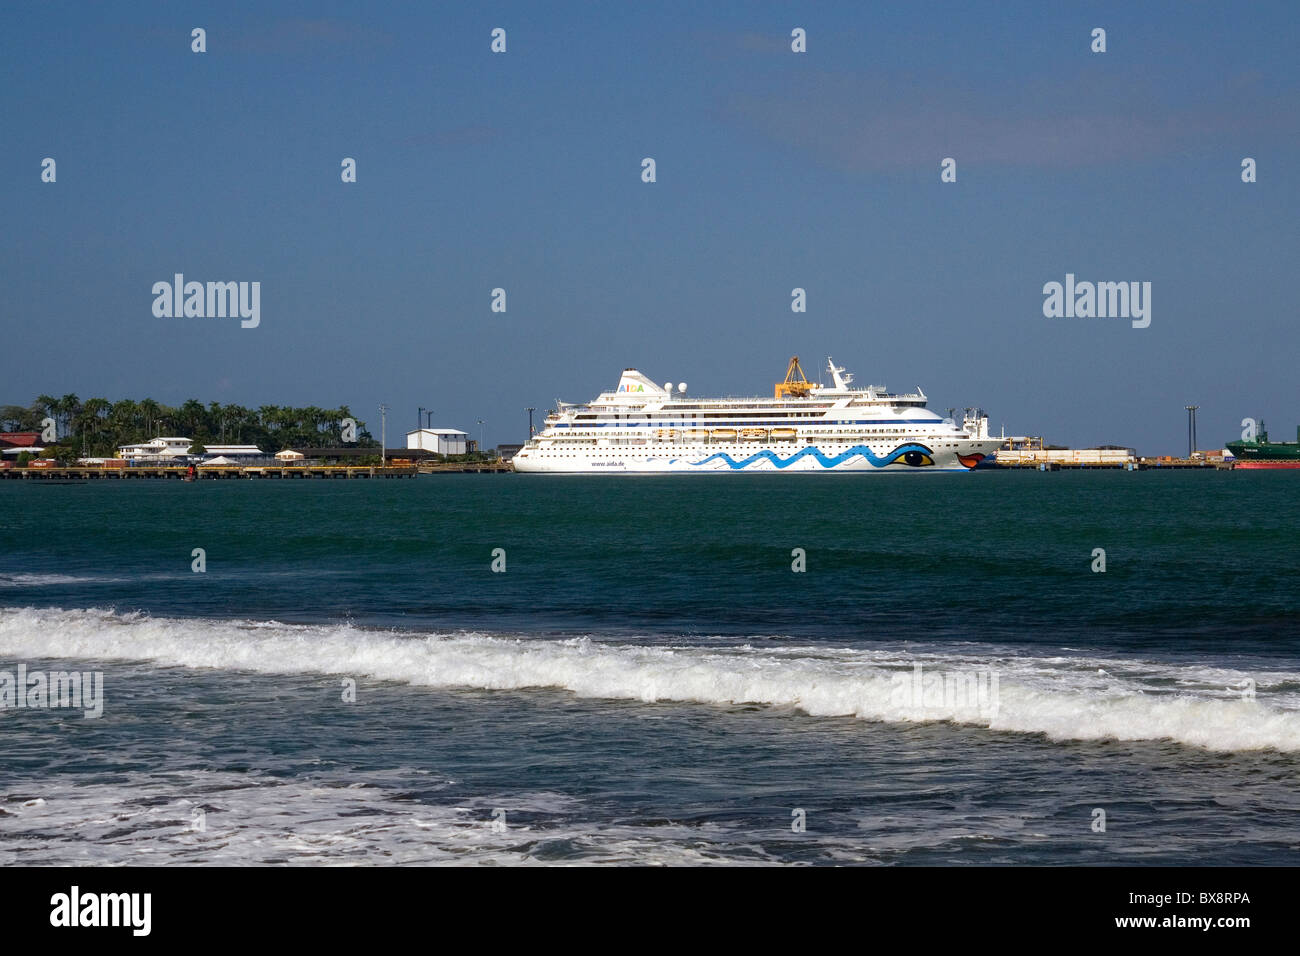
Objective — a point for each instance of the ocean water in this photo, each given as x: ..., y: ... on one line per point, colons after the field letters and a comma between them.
x: 949, y: 680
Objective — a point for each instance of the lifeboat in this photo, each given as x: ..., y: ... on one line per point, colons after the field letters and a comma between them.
x: 784, y: 434
x: 666, y: 434
x: 696, y: 434
x: 753, y: 434
x: 723, y: 434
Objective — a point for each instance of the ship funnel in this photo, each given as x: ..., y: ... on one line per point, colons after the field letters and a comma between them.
x: 634, y: 385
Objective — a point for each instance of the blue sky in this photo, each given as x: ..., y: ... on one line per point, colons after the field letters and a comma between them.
x: 775, y: 170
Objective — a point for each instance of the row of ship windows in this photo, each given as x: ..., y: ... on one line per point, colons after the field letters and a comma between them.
x: 752, y: 446
x: 581, y: 436
x: 685, y: 426
x: 706, y: 416
x: 628, y: 421
x: 715, y: 412
x: 848, y: 428
x: 610, y: 455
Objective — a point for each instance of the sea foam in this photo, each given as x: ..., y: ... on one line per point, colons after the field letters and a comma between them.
x: 1063, y: 698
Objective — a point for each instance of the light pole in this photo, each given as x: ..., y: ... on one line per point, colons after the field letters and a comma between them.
x: 480, y: 436
x: 383, y: 435
x: 531, y: 409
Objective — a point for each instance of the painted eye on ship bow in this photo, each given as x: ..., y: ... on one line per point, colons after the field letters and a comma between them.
x: 917, y: 459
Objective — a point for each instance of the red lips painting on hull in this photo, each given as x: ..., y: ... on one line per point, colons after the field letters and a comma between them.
x: 970, y: 461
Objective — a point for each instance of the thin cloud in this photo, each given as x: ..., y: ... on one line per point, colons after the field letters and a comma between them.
x: 885, y: 123
x: 763, y: 43
x: 300, y: 35
x: 458, y: 136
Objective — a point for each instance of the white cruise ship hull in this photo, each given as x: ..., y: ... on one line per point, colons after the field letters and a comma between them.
x: 642, y: 428
x: 739, y: 458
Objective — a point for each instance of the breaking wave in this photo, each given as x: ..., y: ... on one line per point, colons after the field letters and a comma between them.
x: 1062, y: 697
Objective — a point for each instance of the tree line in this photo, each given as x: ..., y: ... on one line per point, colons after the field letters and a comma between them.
x: 96, y: 427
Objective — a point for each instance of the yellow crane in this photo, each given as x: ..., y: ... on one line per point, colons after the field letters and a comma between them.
x: 795, y: 384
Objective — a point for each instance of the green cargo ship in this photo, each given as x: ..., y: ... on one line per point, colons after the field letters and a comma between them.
x: 1262, y: 453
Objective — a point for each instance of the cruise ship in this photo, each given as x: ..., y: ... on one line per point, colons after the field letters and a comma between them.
x: 641, y: 427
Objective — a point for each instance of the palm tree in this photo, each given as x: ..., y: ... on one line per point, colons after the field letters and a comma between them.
x: 90, y: 422
x: 234, y: 419
x: 217, y: 419
x: 11, y: 417
x: 150, y: 411
x: 51, y: 406
x: 124, y: 420
x: 69, y: 405
x: 191, y: 415
x: 32, y: 420
x: 316, y: 417
x: 242, y: 418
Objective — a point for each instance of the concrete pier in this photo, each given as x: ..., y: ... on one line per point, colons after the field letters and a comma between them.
x: 208, y: 472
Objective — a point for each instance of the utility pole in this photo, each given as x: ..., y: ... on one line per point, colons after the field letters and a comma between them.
x: 1191, y: 428
x: 531, y: 409
x: 383, y: 434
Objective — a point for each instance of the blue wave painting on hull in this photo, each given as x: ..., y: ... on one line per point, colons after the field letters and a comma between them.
x: 826, y: 461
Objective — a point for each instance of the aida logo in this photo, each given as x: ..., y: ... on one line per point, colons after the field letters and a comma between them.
x: 631, y: 388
